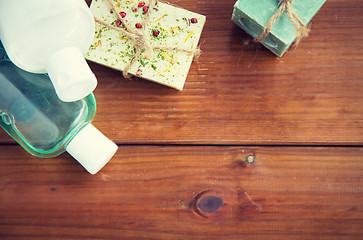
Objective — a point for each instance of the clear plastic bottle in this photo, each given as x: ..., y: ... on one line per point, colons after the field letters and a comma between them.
x: 45, y: 126
x: 51, y: 37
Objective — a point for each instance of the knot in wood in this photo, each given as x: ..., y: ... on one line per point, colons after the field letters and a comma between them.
x: 210, y: 204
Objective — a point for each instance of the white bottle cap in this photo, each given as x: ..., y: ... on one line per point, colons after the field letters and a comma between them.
x: 70, y: 74
x: 91, y: 149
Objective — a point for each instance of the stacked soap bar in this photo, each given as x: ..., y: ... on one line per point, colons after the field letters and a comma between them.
x: 253, y: 16
x: 168, y: 26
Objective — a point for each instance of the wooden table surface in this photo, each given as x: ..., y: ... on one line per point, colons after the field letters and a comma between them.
x: 255, y: 147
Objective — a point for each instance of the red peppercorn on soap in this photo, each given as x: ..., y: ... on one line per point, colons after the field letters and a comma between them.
x: 173, y: 34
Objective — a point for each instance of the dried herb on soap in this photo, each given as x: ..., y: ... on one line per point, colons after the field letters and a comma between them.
x: 143, y: 46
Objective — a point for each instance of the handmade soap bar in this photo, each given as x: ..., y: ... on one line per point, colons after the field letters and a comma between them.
x: 168, y: 26
x: 253, y: 16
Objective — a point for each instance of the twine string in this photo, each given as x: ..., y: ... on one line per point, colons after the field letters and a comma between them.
x: 140, y: 39
x: 301, y: 29
x: 127, y: 26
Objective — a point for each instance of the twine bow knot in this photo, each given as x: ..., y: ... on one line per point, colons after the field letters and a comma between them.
x: 301, y: 30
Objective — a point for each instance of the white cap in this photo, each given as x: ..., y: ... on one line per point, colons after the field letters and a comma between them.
x: 70, y: 74
x: 91, y: 149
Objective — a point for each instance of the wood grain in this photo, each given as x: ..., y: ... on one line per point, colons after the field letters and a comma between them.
x: 149, y: 192
x: 181, y: 170
x: 241, y: 93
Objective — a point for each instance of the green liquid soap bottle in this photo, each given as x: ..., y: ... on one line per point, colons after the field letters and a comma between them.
x: 45, y: 126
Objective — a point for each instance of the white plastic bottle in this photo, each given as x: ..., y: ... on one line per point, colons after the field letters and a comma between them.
x: 51, y: 36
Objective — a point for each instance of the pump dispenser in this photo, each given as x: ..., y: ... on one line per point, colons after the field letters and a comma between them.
x: 51, y: 37
x: 45, y: 126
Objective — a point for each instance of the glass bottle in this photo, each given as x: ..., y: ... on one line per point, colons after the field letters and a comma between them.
x: 45, y: 126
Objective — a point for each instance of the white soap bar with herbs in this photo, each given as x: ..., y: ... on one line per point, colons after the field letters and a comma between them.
x: 168, y: 26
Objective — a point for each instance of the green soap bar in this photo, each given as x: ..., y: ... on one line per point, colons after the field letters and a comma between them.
x: 253, y: 16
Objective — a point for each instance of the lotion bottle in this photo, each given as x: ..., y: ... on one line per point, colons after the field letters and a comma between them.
x: 51, y: 36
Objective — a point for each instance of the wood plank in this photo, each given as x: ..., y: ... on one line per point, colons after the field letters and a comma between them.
x: 312, y: 95
x: 241, y: 93
x: 156, y: 192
